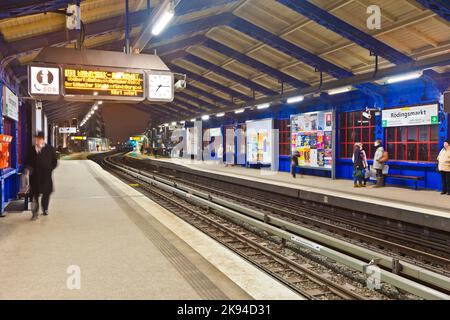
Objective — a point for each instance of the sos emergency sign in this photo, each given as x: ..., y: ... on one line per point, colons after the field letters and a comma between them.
x: 44, y: 80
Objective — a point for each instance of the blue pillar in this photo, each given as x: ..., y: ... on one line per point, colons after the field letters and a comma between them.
x: 443, y: 124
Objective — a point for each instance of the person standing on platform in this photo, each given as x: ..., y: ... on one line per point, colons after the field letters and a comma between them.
x: 294, y: 163
x: 39, y: 164
x: 365, y: 164
x: 378, y: 163
x: 357, y: 167
x: 444, y: 167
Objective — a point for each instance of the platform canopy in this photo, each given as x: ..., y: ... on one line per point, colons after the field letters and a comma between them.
x: 237, y: 51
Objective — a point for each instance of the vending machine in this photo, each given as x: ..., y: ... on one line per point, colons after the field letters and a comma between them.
x: 5, y: 140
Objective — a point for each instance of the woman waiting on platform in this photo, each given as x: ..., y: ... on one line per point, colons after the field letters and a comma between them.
x: 444, y: 167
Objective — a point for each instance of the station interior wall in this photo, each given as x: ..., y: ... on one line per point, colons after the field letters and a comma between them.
x: 404, y: 94
x: 21, y: 133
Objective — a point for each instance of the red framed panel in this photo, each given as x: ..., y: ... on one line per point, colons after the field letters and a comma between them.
x: 415, y: 143
x: 353, y: 128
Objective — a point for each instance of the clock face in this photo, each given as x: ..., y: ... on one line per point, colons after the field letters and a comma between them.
x: 161, y: 87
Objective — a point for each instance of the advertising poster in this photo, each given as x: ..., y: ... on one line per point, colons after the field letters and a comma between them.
x: 311, y: 136
x: 259, y: 137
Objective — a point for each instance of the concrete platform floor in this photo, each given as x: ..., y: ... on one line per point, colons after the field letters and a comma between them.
x: 125, y: 246
x: 421, y: 200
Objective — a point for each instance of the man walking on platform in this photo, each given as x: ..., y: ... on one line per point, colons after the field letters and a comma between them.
x: 39, y: 165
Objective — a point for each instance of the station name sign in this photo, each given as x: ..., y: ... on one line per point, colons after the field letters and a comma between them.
x: 410, y: 116
x: 67, y: 130
x: 103, y: 84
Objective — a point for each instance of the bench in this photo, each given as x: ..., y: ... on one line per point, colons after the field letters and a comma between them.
x: 415, y: 179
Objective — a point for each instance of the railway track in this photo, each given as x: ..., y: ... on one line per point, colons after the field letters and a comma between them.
x: 140, y: 174
x: 308, y: 278
x: 407, y: 247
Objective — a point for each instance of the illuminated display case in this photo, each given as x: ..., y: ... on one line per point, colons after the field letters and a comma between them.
x: 311, y: 136
x: 259, y: 141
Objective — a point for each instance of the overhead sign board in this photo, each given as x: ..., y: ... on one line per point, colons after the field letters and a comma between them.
x: 44, y: 80
x: 67, y: 130
x: 10, y: 104
x: 410, y: 116
x: 103, y: 84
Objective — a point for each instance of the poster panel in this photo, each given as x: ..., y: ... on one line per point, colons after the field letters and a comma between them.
x: 259, y: 141
x: 311, y: 137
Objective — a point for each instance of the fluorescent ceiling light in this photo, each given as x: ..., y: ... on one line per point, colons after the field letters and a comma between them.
x: 295, y: 99
x: 174, y: 123
x: 162, y: 21
x: 193, y: 119
x: 166, y: 124
x: 339, y: 90
x: 95, y: 107
x: 404, y: 77
x: 239, y: 111
x: 205, y: 117
x: 183, y: 122
x: 221, y: 114
x: 263, y: 106
x: 100, y: 102
x: 92, y: 111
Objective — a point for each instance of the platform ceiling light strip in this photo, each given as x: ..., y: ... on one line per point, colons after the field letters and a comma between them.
x: 220, y: 114
x: 174, y: 123
x: 295, y: 99
x: 205, y: 117
x: 339, y: 90
x: 163, y: 20
x: 194, y: 119
x: 239, y: 111
x: 263, y: 106
x: 404, y: 77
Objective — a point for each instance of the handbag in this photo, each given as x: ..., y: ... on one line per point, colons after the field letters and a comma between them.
x: 357, y: 173
x: 367, y: 173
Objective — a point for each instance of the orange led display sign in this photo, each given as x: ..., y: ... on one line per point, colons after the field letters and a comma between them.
x: 103, y: 84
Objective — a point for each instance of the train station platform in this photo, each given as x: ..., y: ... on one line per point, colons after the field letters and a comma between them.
x: 117, y: 244
x: 422, y: 207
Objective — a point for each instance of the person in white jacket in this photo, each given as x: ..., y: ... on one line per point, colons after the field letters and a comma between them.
x: 378, y: 163
x: 444, y: 167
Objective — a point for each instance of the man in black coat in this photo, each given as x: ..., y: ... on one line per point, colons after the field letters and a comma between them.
x: 39, y: 164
